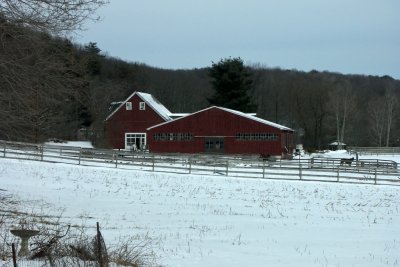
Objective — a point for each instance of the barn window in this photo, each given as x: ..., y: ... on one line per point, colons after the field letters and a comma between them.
x: 219, y: 144
x: 157, y: 136
x: 173, y: 136
x: 209, y: 144
x: 128, y: 105
x: 256, y: 136
x: 142, y: 105
x: 163, y: 137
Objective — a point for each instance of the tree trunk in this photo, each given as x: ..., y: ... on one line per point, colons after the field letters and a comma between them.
x: 391, y: 102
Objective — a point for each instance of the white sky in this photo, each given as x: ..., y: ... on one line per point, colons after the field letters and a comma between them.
x: 357, y: 36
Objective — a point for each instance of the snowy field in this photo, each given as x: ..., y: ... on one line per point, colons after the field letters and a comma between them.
x: 198, y: 220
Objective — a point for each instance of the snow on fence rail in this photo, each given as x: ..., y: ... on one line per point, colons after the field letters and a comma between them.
x: 374, y: 150
x: 368, y: 171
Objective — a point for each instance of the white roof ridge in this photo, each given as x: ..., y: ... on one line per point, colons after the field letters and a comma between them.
x: 239, y: 113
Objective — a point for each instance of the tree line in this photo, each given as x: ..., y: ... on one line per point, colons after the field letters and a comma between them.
x: 322, y: 107
x: 52, y: 88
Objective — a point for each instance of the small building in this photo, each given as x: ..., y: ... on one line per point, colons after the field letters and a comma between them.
x: 126, y: 125
x: 337, y: 146
x: 221, y: 130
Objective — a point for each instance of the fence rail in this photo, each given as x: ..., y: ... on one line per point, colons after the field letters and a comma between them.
x: 368, y: 171
x: 374, y: 150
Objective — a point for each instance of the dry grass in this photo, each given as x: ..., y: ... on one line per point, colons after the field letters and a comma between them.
x: 59, y: 244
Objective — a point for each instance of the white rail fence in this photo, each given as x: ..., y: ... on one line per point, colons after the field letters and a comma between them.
x: 366, y: 171
x: 374, y: 150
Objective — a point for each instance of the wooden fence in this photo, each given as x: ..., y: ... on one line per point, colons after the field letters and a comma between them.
x: 369, y: 171
x: 374, y: 150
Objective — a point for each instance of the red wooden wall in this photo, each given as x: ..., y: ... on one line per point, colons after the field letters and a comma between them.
x: 132, y: 121
x: 220, y: 123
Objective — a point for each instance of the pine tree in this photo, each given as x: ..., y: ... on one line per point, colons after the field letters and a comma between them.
x: 93, y: 55
x: 232, y: 84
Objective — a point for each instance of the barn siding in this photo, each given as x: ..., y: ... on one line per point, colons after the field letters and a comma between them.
x: 217, y: 122
x: 134, y: 120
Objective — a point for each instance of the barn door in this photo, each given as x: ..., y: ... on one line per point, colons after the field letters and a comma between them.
x: 135, y: 141
x: 214, y: 144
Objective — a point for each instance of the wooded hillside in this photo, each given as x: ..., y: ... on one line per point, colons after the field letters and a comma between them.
x: 50, y: 88
x: 321, y: 106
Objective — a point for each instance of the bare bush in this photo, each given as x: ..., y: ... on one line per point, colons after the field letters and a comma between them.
x: 134, y: 252
x: 59, y: 244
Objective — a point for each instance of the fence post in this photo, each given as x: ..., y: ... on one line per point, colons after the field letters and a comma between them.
x: 100, y: 257
x: 4, y: 149
x: 80, y: 155
x: 338, y: 173
x: 263, y: 168
x: 153, y: 160
x: 227, y: 167
x: 190, y: 164
x: 376, y: 174
x: 300, y: 171
x: 14, y: 255
x: 41, y: 154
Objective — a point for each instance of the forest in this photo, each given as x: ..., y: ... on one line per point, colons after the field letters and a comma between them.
x: 53, y: 88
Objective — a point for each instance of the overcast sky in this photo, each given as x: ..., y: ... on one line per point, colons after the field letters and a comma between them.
x: 347, y: 36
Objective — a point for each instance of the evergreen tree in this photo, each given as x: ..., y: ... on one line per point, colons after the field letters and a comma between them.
x: 93, y: 63
x: 232, y: 84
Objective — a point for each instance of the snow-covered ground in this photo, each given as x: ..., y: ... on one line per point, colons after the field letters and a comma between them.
x: 200, y: 220
x: 83, y: 144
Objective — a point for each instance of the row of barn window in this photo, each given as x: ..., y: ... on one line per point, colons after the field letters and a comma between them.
x: 173, y: 136
x: 239, y: 136
x: 257, y: 136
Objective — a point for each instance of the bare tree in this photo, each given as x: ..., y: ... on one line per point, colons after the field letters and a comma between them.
x: 376, y: 112
x: 391, y: 102
x: 53, y: 16
x: 42, y: 85
x: 342, y: 103
x: 41, y: 76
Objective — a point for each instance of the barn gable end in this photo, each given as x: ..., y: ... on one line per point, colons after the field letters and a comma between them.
x: 126, y: 125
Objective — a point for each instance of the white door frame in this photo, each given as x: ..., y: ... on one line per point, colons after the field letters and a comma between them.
x: 142, y: 140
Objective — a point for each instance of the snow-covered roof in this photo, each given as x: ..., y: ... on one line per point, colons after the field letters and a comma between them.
x: 337, y: 143
x: 178, y: 115
x: 239, y: 113
x: 254, y: 118
x: 151, y: 101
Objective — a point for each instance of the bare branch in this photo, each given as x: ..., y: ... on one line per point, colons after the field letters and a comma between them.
x: 52, y: 16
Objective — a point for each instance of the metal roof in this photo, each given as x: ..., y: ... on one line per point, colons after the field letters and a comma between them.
x: 239, y: 113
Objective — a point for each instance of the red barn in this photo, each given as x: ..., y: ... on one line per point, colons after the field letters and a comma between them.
x: 126, y: 126
x: 221, y: 130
